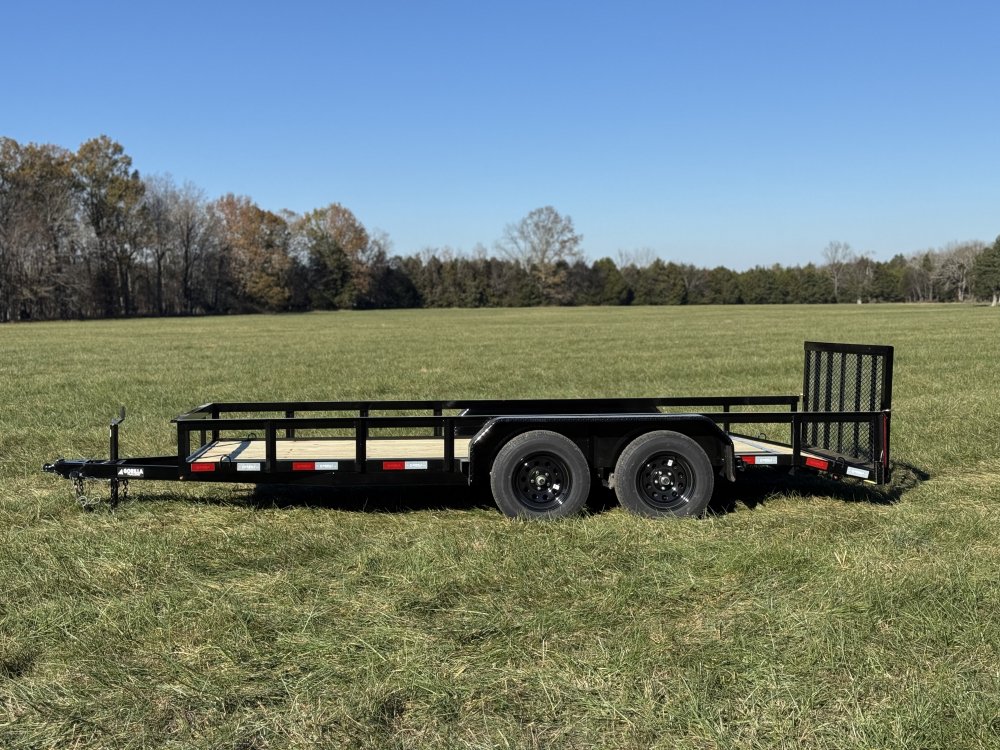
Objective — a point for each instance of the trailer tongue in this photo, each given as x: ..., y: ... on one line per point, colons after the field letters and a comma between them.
x: 540, y: 457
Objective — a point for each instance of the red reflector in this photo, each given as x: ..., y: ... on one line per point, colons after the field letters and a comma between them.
x: 303, y: 466
x: 818, y: 463
x: 393, y: 465
x: 749, y: 459
x: 202, y: 466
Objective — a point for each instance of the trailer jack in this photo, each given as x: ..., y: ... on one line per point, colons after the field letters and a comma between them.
x: 118, y: 486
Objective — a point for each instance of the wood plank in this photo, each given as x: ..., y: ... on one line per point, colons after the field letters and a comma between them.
x: 748, y: 447
x: 398, y: 449
x: 333, y: 450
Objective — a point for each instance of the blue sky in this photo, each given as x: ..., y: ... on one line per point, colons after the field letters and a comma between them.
x: 715, y: 133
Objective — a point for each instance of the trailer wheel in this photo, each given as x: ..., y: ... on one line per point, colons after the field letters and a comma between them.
x: 540, y: 474
x: 664, y: 473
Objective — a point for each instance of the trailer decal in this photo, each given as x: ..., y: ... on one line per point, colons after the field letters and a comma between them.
x: 403, y: 465
x: 131, y: 473
x: 771, y: 460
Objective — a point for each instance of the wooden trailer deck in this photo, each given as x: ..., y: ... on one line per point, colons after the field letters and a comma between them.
x: 746, y: 447
x: 391, y: 448
x: 330, y: 449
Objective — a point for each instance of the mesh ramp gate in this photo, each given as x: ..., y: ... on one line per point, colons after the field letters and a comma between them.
x: 848, y: 378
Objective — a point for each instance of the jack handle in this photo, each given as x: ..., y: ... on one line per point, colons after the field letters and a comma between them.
x: 114, y: 433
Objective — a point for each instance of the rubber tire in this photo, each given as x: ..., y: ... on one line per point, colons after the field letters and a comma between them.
x: 523, y: 446
x: 699, y: 475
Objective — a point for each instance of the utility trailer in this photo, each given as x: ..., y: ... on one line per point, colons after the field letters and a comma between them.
x: 539, y: 457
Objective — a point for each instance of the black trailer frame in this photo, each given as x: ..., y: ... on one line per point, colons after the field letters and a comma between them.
x: 842, y: 429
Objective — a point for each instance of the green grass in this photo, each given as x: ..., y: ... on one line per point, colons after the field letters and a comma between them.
x: 206, y: 616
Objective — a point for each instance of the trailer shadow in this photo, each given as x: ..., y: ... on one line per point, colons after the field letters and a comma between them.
x: 751, y: 490
x: 368, y: 500
x: 763, y: 485
x: 389, y: 500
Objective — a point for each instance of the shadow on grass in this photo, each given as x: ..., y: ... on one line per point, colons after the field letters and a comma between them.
x: 757, y: 487
x: 370, y: 499
x: 352, y: 499
x: 364, y: 500
x: 750, y: 489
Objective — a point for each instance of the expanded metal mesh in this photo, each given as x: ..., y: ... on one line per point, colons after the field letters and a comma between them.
x: 846, y: 379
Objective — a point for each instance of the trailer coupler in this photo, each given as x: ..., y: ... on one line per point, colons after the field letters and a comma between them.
x: 114, y: 470
x: 76, y: 471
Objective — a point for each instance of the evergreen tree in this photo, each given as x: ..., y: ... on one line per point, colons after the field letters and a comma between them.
x: 986, y: 273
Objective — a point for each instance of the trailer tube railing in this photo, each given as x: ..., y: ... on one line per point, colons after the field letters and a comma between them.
x: 212, y: 418
x: 483, y: 406
x: 271, y: 427
x: 445, y: 426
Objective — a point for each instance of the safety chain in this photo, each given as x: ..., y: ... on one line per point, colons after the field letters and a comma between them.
x: 86, y: 502
x: 119, y: 493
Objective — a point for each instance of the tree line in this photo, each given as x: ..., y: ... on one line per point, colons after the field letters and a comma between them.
x: 84, y: 235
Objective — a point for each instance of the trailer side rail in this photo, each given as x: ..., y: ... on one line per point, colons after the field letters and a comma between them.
x: 281, y: 431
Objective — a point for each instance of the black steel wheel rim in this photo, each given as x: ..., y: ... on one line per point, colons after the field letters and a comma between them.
x: 541, y: 481
x: 665, y: 481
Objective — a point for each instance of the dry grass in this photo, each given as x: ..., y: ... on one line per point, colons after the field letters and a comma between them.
x: 803, y: 614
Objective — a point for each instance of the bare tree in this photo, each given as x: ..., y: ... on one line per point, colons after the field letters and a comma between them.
x: 180, y: 235
x: 159, y: 201
x: 197, y: 235
x: 921, y: 275
x: 38, y: 240
x: 639, y: 258
x: 545, y: 244
x: 954, y: 270
x: 10, y: 200
x: 543, y: 237
x: 837, y: 256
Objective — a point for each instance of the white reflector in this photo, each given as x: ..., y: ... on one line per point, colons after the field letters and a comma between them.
x: 327, y: 465
x: 416, y: 464
x: 859, y: 473
x: 765, y: 460
x: 247, y: 467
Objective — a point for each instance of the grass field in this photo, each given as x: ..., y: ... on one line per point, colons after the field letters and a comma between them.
x: 810, y: 615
